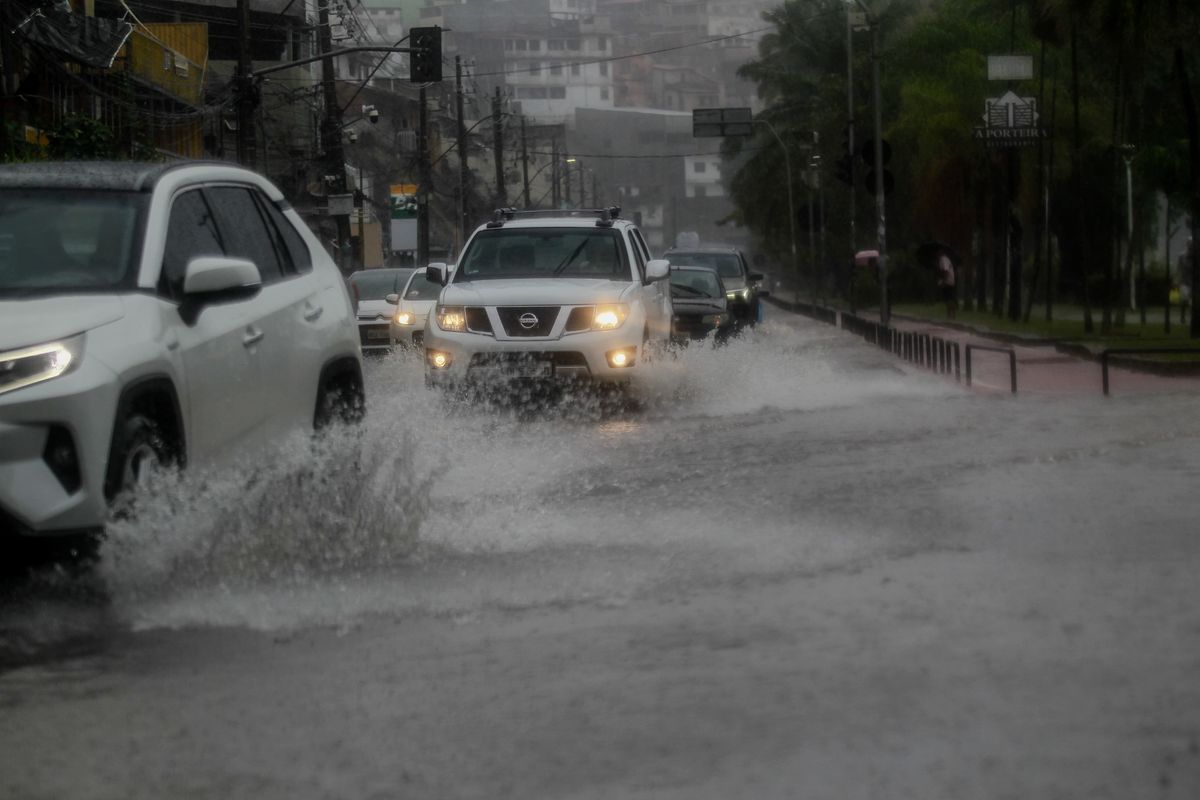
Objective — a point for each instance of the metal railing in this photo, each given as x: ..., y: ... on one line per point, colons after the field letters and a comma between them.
x: 1012, y: 361
x: 934, y: 353
x: 1120, y: 351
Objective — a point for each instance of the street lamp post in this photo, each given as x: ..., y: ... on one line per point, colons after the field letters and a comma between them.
x: 787, y: 165
x: 880, y: 201
x: 1128, y: 151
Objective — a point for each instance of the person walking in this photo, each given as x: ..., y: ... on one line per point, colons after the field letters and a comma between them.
x: 946, y: 282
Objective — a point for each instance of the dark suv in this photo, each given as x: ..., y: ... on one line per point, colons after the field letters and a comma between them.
x: 742, y: 289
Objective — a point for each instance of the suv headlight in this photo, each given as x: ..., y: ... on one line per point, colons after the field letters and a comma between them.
x: 608, y: 318
x: 30, y: 365
x: 740, y: 294
x: 452, y: 318
x: 405, y: 318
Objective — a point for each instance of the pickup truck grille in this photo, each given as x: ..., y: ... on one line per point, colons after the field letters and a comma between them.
x: 538, y: 320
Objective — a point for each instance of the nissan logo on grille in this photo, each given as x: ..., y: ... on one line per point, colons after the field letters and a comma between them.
x: 528, y: 320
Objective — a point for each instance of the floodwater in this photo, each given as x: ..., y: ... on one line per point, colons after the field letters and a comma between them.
x: 787, y: 567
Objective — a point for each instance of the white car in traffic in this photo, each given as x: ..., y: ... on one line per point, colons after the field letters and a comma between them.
x: 150, y: 314
x: 413, y: 306
x: 549, y: 296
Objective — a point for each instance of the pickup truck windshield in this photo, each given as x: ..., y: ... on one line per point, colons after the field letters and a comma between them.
x: 544, y: 253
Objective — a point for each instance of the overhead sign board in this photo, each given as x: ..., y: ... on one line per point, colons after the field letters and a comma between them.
x: 710, y: 122
x: 1009, y: 121
x: 1010, y: 68
x: 403, y: 228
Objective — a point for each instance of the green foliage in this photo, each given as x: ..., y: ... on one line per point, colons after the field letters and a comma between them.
x: 82, y: 138
x: 933, y: 65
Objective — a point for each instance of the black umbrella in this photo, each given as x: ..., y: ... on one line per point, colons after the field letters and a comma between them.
x: 927, y: 254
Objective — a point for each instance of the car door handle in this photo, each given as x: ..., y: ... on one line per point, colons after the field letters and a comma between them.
x: 253, y: 336
x: 313, y: 313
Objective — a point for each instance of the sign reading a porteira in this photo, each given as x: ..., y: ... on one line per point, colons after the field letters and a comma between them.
x: 1009, y: 121
x: 404, y: 217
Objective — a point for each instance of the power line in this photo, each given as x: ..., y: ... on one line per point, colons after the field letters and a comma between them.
x: 700, y: 43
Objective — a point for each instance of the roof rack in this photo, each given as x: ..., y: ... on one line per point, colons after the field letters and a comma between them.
x: 605, y: 216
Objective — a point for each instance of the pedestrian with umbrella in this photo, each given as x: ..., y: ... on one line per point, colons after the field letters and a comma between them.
x: 945, y: 262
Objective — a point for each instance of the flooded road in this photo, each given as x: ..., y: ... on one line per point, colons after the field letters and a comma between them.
x: 785, y: 568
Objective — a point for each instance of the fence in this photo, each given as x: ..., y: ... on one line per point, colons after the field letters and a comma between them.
x: 1012, y: 361
x: 1104, y: 354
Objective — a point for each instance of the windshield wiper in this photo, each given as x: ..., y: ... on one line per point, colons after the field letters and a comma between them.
x: 567, y: 262
x: 691, y: 289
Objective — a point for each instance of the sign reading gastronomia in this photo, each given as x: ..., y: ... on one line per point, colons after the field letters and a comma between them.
x: 1009, y: 121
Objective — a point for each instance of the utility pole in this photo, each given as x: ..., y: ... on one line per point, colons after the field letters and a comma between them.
x: 885, y: 309
x: 423, y: 189
x: 245, y: 89
x: 555, y: 199
x: 567, y: 181
x: 582, y: 187
x: 595, y: 191
x: 335, y: 156
x: 850, y: 146
x: 525, y: 163
x: 462, y: 152
x: 498, y: 150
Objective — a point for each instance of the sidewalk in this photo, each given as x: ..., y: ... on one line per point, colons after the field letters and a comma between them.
x: 1041, y: 368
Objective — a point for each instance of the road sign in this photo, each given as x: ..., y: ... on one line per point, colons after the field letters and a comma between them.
x: 1009, y: 121
x: 711, y: 122
x: 1010, y: 68
x: 341, y: 205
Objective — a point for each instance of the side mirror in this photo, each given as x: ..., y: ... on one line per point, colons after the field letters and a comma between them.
x: 209, y: 278
x: 393, y: 298
x: 657, y: 269
x: 754, y: 277
x: 436, y: 273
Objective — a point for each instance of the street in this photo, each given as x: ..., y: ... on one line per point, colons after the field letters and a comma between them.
x: 790, y: 567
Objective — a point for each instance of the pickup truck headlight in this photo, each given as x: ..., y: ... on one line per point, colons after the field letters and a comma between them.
x: 452, y: 318
x: 30, y: 365
x: 608, y: 318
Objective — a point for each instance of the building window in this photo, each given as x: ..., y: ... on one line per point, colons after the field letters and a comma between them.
x: 535, y: 44
x: 698, y: 191
x: 554, y: 44
x: 602, y: 43
x: 572, y: 44
x: 604, y: 69
x: 556, y: 69
x: 699, y: 166
x: 522, y: 44
x: 558, y: 92
x: 535, y: 68
x: 603, y: 92
x: 575, y: 69
x: 509, y: 45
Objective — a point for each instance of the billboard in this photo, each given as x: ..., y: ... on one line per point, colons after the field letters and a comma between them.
x: 404, y: 217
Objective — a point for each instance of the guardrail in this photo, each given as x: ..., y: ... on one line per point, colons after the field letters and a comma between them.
x: 939, y: 355
x: 1104, y: 354
x: 1012, y: 362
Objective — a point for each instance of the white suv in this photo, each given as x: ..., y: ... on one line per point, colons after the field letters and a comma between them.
x: 540, y: 295
x: 155, y: 313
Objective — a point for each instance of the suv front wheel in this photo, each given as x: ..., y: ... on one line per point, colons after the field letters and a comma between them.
x: 139, y: 452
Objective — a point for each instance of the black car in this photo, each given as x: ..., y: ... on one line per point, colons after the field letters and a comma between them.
x: 742, y: 289
x: 700, y: 307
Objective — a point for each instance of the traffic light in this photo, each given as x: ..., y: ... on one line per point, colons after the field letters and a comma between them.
x: 845, y: 169
x: 425, y: 56
x: 868, y: 155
